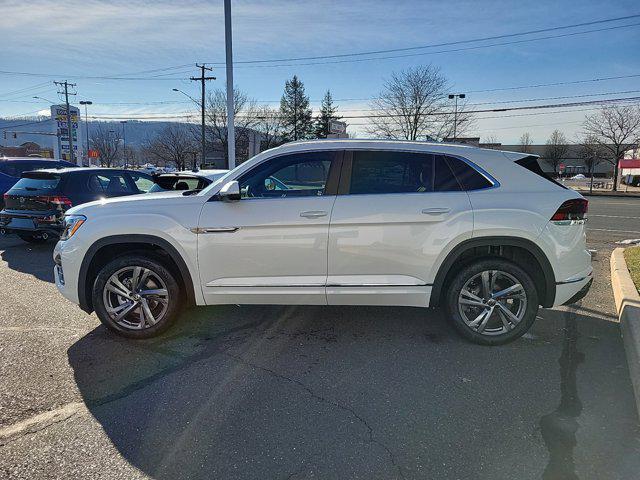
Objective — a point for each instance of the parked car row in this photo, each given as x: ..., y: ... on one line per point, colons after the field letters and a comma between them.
x: 37, y: 193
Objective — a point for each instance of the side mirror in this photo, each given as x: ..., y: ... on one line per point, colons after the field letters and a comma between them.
x: 230, y: 192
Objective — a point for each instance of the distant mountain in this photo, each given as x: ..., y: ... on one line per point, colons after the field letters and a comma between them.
x: 137, y: 132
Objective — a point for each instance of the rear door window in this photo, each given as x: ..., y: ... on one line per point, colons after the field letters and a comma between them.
x: 143, y: 183
x: 109, y: 183
x: 379, y: 172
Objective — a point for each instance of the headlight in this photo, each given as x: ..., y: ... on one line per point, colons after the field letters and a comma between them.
x: 71, y: 225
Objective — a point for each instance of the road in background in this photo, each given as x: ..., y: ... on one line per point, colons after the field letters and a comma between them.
x: 315, y: 392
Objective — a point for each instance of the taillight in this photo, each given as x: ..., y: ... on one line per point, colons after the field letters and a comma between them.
x: 57, y: 200
x: 574, y: 209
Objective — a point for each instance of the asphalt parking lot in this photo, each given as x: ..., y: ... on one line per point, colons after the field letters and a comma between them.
x: 314, y: 392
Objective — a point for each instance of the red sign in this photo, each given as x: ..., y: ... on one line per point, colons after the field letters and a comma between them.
x: 561, y: 166
x: 94, y: 154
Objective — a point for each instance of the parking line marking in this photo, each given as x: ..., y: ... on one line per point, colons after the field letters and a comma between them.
x: 40, y: 421
x: 607, y: 230
x: 608, y: 216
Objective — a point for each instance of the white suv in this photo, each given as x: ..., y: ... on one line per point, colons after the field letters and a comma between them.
x: 346, y: 222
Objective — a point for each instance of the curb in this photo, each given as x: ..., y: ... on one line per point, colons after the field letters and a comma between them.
x: 628, y: 308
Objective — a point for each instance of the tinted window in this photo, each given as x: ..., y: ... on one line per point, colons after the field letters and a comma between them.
x: 177, y: 183
x: 391, y: 172
x: 47, y: 183
x: 295, y: 175
x: 143, y: 182
x: 109, y: 183
x: 469, y: 178
x: 445, y: 180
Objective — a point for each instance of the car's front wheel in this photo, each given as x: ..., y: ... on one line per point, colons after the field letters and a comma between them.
x: 136, y: 296
x: 492, y: 301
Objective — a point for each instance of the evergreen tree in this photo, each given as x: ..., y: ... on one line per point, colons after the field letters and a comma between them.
x: 327, y: 113
x: 296, y: 114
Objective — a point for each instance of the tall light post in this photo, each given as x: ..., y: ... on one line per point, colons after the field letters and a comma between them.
x: 231, y: 132
x: 455, y: 96
x: 86, y: 125
x: 124, y: 141
x: 202, y: 127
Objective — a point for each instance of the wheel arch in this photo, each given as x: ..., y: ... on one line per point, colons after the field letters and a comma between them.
x: 502, y: 247
x: 130, y: 242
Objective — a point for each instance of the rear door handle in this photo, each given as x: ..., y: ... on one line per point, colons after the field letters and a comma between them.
x: 313, y: 214
x: 435, y: 211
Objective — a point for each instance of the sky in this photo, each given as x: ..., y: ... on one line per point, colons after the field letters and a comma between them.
x: 154, y: 45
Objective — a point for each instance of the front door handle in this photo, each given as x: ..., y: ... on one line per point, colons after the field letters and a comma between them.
x: 313, y: 214
x: 435, y: 211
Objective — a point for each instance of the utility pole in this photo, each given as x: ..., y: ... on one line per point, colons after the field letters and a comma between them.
x: 66, y: 86
x: 202, y: 79
x: 455, y: 113
x: 124, y: 142
x: 231, y: 131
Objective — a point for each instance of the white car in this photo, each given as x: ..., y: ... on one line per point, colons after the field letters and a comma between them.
x: 483, y: 233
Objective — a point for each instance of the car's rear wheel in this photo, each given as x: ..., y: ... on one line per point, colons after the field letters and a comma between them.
x: 492, y: 301
x: 136, y: 296
x: 31, y: 238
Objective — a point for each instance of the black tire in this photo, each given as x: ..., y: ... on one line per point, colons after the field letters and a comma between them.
x: 528, y: 312
x: 31, y: 238
x: 159, y: 271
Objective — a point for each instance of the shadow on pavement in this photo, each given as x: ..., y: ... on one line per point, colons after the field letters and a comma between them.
x: 361, y: 392
x: 33, y: 259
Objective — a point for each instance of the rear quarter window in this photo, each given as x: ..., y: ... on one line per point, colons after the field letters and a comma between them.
x: 468, y: 177
x: 531, y: 164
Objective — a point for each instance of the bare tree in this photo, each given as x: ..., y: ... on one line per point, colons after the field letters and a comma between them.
x: 245, y: 113
x: 592, y: 154
x: 173, y: 145
x: 270, y: 125
x: 556, y: 149
x: 413, y: 105
x: 525, y: 143
x: 616, y: 129
x: 107, y: 142
x: 491, y: 142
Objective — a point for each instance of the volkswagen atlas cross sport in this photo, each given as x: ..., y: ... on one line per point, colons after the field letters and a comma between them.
x: 483, y: 233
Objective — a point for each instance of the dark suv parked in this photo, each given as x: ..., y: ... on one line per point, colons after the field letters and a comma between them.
x: 12, y: 168
x: 35, y: 205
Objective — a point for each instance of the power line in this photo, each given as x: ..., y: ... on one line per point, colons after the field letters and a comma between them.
x: 259, y: 64
x: 388, y: 57
x: 444, y: 44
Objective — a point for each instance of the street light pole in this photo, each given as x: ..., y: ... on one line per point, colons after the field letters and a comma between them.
x: 86, y: 125
x: 455, y: 112
x: 231, y: 132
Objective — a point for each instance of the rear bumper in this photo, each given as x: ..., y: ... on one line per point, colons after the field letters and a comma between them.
x: 13, y: 222
x: 580, y: 294
x: 573, y: 289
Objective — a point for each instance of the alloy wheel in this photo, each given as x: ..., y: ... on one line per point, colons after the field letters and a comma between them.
x: 492, y: 302
x: 135, y: 298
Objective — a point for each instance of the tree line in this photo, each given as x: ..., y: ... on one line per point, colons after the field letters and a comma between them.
x: 605, y: 137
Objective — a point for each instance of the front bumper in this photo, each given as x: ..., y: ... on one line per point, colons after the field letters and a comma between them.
x: 66, y: 269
